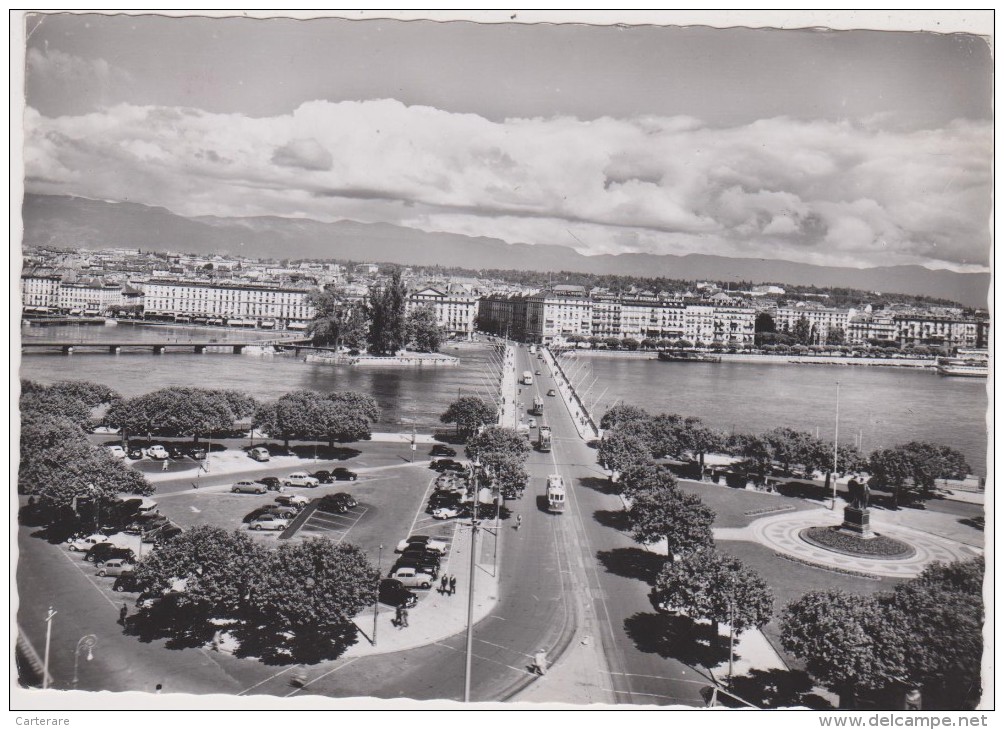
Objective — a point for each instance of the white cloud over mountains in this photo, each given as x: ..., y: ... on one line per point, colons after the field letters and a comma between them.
x: 818, y: 192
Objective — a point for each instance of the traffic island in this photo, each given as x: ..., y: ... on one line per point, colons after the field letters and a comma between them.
x: 846, y: 543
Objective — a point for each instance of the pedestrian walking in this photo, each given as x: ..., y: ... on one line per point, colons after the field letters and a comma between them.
x: 399, y: 617
x: 444, y: 583
x: 404, y: 618
x: 159, y: 688
x: 123, y: 613
x: 164, y: 467
x: 519, y: 521
x: 453, y: 584
x: 540, y: 662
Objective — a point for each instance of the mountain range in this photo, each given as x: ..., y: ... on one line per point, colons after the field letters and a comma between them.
x: 81, y: 223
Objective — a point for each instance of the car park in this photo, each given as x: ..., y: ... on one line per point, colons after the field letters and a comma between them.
x: 269, y: 522
x: 118, y: 566
x: 117, y: 451
x: 82, y: 544
x: 157, y: 452
x: 412, y: 578
x: 259, y: 453
x: 292, y: 500
x: 329, y: 503
x: 448, y: 513
x: 248, y: 487
x: 551, y: 392
x: 126, y: 582
x: 300, y: 479
x: 273, y: 484
x: 393, y: 593
x: 424, y: 541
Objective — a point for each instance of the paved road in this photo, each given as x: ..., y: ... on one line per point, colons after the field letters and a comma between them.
x: 639, y: 675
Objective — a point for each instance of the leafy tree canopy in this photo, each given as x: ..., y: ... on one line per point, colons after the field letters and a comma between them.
x: 469, y: 413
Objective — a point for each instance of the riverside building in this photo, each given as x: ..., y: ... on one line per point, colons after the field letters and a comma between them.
x: 243, y: 304
x: 455, y: 313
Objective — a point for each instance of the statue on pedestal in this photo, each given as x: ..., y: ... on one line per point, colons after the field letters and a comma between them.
x: 859, y: 493
x: 856, y: 517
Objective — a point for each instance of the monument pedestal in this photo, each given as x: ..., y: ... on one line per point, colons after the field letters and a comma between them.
x: 858, y: 522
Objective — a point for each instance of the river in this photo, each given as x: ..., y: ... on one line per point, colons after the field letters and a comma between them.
x: 878, y: 405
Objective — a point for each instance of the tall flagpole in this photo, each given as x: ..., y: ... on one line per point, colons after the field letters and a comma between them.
x: 836, y: 438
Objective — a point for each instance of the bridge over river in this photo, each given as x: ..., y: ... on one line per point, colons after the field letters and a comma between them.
x: 158, y: 347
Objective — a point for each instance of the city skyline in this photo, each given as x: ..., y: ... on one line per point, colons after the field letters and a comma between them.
x: 832, y: 148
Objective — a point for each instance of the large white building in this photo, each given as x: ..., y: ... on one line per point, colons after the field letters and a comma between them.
x: 821, y: 321
x: 92, y: 296
x: 279, y: 307
x: 40, y: 291
x: 455, y: 313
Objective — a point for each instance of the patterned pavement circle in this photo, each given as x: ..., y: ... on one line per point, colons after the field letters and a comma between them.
x: 781, y: 534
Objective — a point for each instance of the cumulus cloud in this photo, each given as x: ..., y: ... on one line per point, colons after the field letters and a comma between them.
x: 819, y: 192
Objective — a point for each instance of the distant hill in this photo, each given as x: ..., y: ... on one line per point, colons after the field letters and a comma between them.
x: 88, y: 224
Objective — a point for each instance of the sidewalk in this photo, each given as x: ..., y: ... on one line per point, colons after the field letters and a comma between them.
x: 509, y: 414
x: 583, y: 423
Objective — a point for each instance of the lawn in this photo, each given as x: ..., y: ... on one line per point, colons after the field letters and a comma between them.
x: 731, y: 505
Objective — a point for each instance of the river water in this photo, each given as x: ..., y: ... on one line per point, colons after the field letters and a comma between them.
x: 880, y: 406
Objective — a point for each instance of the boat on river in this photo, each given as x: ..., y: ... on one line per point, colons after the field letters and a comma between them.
x: 965, y: 364
x: 687, y: 356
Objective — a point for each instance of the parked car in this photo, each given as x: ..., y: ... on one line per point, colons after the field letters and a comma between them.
x: 551, y: 392
x: 533, y: 423
x: 443, y: 499
x: 422, y: 567
x: 448, y: 513
x: 114, y: 567
x: 440, y: 450
x: 323, y: 476
x: 341, y: 474
x: 197, y: 453
x: 429, y: 543
x: 445, y: 481
x: 119, y: 553
x: 412, y: 578
x: 447, y: 465
x: 269, y: 522
x: 248, y: 487
x: 292, y: 500
x: 135, y: 454
x: 167, y: 534
x: 300, y: 479
x: 144, y: 523
x: 347, y: 499
x: 259, y: 453
x: 126, y: 582
x: 328, y: 503
x: 82, y: 544
x: 157, y: 452
x: 277, y: 509
x: 393, y: 593
x: 176, y: 452
x: 272, y: 484
x: 420, y: 557
x: 117, y: 451
x: 101, y: 551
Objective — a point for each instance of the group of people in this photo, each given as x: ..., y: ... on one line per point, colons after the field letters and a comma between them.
x: 448, y: 585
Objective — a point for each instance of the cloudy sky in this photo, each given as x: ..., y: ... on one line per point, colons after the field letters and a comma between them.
x: 847, y: 148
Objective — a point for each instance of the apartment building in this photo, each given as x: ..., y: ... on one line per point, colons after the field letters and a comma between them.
x: 455, y: 313
x: 40, y: 291
x: 821, y: 320
x: 939, y: 331
x: 92, y: 296
x: 280, y: 307
x: 557, y: 314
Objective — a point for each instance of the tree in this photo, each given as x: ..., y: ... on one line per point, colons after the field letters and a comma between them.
x: 621, y: 448
x: 847, y: 642
x: 386, y: 309
x: 469, y: 413
x: 910, y: 470
x: 211, y: 572
x: 612, y: 343
x: 305, y: 596
x: 308, y: 416
x: 91, y: 394
x: 683, y: 520
x: 790, y: 447
x: 56, y: 404
x: 424, y: 330
x: 941, y: 614
x: 756, y: 452
x: 241, y: 404
x: 622, y: 413
x: 364, y: 403
x: 645, y: 478
x: 175, y: 412
x: 717, y: 587
x: 336, y: 321
x: 764, y: 323
x: 666, y: 435
x: 701, y: 440
x: 835, y: 336
x: 629, y: 343
x: 497, y: 442
x: 802, y: 331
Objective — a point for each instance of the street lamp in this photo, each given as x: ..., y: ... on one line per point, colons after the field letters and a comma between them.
x: 475, y: 465
x: 376, y: 602
x: 48, y: 640
x: 836, y: 436
x: 86, y: 642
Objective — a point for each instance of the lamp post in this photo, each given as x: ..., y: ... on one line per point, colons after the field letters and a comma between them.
x: 48, y: 640
x: 475, y: 465
x: 836, y: 437
x: 376, y: 603
x: 86, y: 642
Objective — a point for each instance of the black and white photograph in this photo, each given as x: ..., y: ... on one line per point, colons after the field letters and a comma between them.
x: 513, y: 360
